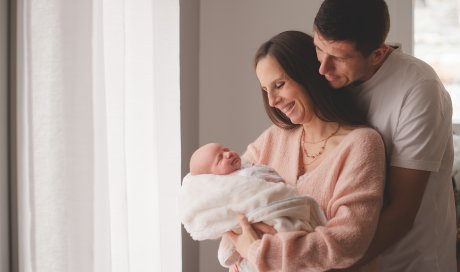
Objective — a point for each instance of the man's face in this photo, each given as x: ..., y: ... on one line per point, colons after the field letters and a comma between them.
x: 341, y: 63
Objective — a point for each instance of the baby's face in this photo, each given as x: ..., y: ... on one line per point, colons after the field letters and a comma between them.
x: 219, y: 159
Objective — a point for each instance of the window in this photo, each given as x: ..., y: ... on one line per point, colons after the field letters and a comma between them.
x: 437, y: 41
x: 96, y: 136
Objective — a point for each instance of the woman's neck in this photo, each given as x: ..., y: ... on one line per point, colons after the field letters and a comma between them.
x: 319, y: 131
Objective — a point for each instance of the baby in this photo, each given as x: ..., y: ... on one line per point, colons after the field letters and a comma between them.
x: 217, y: 159
x: 219, y: 188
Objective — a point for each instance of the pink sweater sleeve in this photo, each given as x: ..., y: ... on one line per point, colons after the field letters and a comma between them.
x: 350, y: 190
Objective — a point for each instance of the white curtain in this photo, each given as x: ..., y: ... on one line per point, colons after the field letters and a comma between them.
x: 98, y: 135
x: 4, y: 190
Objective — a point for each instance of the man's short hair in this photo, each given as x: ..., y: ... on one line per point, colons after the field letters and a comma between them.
x: 364, y: 22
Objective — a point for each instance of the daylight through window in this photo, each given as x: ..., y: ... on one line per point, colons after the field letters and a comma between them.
x: 437, y: 41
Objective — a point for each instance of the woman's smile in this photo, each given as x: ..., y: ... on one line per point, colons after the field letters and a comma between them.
x: 287, y: 109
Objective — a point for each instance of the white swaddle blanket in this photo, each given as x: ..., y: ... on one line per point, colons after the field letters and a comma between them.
x: 209, y: 205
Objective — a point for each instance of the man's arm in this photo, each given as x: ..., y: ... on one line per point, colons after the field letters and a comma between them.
x: 405, y: 189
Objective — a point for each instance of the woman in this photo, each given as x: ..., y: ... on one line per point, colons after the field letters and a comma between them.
x: 321, y: 146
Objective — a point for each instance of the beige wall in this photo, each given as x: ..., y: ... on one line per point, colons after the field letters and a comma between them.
x: 231, y: 111
x: 220, y: 97
x: 189, y: 46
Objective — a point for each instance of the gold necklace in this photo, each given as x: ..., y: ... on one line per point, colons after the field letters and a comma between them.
x: 322, y: 148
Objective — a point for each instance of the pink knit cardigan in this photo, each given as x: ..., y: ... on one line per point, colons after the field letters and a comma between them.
x: 348, y: 185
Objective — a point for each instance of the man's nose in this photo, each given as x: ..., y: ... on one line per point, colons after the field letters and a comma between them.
x: 325, y: 65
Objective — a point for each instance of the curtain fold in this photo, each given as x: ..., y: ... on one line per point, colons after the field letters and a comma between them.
x: 98, y: 135
x: 4, y: 150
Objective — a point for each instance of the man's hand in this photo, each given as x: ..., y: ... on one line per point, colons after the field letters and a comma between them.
x: 405, y: 190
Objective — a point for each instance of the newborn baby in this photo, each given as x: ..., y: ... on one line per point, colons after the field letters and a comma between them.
x: 219, y: 188
x: 217, y: 159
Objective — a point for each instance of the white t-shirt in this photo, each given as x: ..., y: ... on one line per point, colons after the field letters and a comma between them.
x: 408, y: 105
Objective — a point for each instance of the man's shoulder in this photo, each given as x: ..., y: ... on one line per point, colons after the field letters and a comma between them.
x: 410, y: 67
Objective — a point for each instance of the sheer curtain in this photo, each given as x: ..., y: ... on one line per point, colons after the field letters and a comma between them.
x: 98, y: 136
x: 4, y: 215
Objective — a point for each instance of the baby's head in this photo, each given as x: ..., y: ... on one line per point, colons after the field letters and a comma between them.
x: 214, y: 158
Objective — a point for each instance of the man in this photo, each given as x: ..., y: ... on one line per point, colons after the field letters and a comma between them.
x: 407, y: 103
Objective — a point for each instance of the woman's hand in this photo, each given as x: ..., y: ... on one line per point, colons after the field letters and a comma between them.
x: 234, y: 268
x: 245, y: 239
x: 249, y: 234
x: 262, y: 228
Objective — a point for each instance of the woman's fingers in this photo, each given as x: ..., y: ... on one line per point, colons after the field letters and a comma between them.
x: 245, y: 239
x: 257, y: 229
x: 244, y: 223
x: 234, y: 268
x: 247, y: 228
x: 231, y: 236
x: 262, y: 228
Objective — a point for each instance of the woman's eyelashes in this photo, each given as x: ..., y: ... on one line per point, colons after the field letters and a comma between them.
x: 279, y: 84
x: 274, y: 86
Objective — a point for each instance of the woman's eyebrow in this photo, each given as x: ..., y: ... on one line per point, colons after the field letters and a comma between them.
x: 279, y: 78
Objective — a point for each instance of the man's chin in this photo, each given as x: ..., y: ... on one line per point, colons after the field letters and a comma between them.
x: 336, y: 84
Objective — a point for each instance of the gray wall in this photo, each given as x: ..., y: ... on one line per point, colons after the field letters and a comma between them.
x: 189, y: 47
x: 4, y: 242
x: 220, y: 95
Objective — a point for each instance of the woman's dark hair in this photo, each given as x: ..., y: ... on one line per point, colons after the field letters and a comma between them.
x: 296, y: 54
x: 364, y: 22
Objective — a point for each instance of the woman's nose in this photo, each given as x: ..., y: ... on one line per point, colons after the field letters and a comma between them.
x: 272, y: 99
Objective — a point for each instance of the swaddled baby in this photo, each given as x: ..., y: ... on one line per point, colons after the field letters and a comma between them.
x: 219, y: 188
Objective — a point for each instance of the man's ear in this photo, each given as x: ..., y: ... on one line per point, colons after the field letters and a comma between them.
x: 379, y: 54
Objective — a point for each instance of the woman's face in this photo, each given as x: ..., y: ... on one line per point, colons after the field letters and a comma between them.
x: 283, y: 93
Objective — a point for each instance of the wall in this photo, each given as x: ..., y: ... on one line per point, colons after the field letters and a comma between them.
x: 220, y: 99
x: 4, y: 237
x: 231, y: 111
x: 189, y: 37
